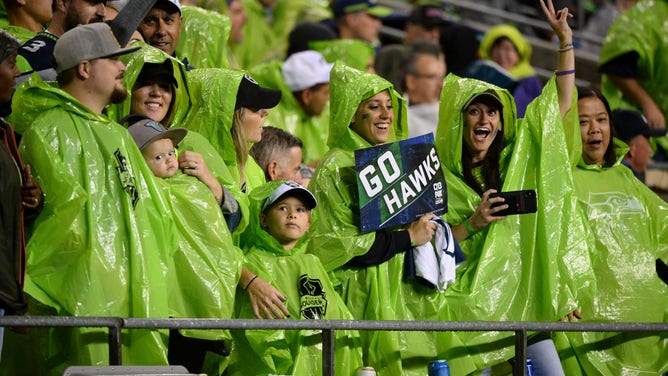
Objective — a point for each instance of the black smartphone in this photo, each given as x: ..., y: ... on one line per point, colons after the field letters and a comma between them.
x: 519, y: 202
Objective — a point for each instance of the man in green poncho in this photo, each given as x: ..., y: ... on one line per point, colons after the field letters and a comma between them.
x: 281, y: 228
x: 370, y: 266
x: 90, y: 253
x: 304, y: 108
x: 633, y: 63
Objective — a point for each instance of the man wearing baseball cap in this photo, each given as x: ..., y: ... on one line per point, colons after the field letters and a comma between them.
x: 359, y: 19
x: 424, y: 23
x: 97, y: 248
x: 161, y: 27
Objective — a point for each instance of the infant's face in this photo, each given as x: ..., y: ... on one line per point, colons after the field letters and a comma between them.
x: 160, y: 156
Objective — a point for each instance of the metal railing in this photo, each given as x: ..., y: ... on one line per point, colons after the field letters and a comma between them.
x: 328, y: 327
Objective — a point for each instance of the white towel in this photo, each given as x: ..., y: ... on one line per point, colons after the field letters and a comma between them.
x: 436, y: 263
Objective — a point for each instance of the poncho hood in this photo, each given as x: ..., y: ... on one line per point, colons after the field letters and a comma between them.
x: 35, y: 96
x: 523, y: 69
x: 214, y: 94
x: 456, y: 93
x: 349, y: 87
x: 135, y: 63
x: 260, y: 238
x: 354, y: 53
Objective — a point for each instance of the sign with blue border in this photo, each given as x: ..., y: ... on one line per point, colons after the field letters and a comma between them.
x: 399, y: 182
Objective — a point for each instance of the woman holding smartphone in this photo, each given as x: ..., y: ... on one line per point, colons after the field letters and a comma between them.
x: 531, y: 267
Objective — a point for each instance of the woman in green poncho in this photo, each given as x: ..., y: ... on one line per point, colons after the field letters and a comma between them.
x: 531, y: 267
x: 280, y: 226
x: 367, y: 111
x: 630, y: 228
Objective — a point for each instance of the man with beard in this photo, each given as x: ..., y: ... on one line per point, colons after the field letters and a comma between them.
x: 101, y: 245
x: 37, y: 53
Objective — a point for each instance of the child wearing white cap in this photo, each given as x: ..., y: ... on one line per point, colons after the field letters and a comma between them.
x: 281, y: 219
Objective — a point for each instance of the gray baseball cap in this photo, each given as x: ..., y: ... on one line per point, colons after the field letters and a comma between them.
x: 87, y: 42
x: 144, y: 131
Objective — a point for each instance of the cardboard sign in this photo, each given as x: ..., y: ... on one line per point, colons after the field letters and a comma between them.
x: 399, y: 182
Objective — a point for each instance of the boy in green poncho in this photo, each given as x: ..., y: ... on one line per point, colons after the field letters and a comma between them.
x: 629, y: 230
x: 208, y: 265
x: 281, y: 229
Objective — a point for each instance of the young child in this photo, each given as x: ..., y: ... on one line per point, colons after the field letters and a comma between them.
x: 280, y: 225
x: 207, y: 265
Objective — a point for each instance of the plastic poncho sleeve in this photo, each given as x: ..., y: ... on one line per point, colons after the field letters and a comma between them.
x: 641, y: 29
x: 200, y: 28
x: 87, y: 166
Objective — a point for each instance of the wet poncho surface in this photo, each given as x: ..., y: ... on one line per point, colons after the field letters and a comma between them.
x: 629, y: 225
x: 375, y: 292
x: 104, y: 240
x: 531, y: 267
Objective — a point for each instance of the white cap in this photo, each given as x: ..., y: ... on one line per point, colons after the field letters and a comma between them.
x: 176, y: 3
x: 287, y: 189
x: 306, y: 69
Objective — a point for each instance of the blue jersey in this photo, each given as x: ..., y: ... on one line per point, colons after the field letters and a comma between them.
x: 38, y: 52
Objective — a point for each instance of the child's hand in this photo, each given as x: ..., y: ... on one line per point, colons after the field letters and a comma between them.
x: 193, y: 164
x: 266, y: 299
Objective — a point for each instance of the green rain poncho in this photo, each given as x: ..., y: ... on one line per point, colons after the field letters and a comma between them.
x: 200, y: 28
x: 309, y: 291
x: 207, y: 264
x: 214, y: 94
x: 355, y: 53
x: 630, y: 230
x: 21, y: 33
x: 523, y: 68
x: 311, y: 130
x: 180, y: 109
x: 264, y: 42
x: 642, y: 29
x: 104, y: 240
x: 531, y: 267
x: 376, y: 292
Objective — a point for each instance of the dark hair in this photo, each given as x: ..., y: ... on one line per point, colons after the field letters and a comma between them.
x: 491, y: 171
x: 610, y: 156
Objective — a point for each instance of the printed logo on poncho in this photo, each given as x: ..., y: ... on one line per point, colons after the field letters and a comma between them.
x: 127, y: 181
x: 312, y: 301
x: 607, y: 204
